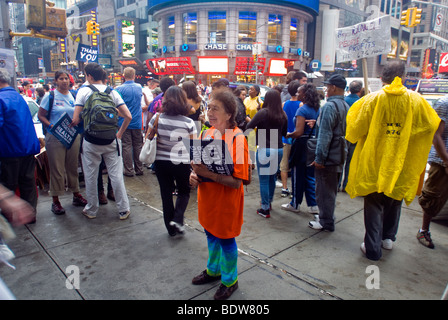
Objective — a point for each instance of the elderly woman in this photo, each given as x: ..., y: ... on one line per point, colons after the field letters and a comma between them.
x: 221, y: 197
x: 171, y: 165
x: 62, y: 161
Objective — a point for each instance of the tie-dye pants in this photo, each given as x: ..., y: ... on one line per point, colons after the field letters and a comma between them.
x: 222, y: 259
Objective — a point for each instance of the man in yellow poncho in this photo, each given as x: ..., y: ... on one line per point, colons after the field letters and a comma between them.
x: 393, y: 129
x: 253, y: 103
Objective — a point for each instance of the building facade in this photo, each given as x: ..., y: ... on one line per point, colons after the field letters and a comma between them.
x: 205, y: 41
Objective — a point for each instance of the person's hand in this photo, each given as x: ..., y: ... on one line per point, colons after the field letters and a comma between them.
x: 317, y: 165
x: 75, y: 122
x: 310, y: 123
x: 17, y: 211
x: 200, y: 169
x: 194, y: 180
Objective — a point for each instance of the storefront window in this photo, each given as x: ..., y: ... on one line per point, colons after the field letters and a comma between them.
x: 247, y: 27
x: 293, y: 34
x: 217, y: 26
x: 275, y: 30
x: 190, y: 27
x: 170, y: 31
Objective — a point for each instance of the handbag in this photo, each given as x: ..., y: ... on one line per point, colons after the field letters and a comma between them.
x: 337, y: 152
x: 149, y: 149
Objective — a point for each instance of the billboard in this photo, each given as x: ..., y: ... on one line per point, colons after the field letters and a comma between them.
x: 171, y: 65
x: 443, y: 65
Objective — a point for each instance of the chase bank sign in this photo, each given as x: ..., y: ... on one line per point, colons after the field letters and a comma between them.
x: 223, y: 46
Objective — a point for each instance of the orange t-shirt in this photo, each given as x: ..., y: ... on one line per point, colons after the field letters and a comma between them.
x: 220, y: 208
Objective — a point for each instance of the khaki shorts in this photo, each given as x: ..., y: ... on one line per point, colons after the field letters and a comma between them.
x: 284, y: 164
x: 435, y: 192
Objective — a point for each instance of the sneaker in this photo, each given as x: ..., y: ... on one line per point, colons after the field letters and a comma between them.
x: 88, y: 215
x: 317, y: 226
x: 424, y: 237
x: 313, y: 210
x: 79, y: 201
x: 179, y: 228
x: 124, y: 215
x: 278, y: 184
x: 263, y: 213
x: 5, y: 253
x: 363, y: 248
x: 285, y: 192
x: 289, y: 207
x: 57, y: 208
x: 387, y: 244
x: 204, y: 278
x: 224, y: 292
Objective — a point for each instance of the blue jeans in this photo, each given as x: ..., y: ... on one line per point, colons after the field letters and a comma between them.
x: 268, y: 161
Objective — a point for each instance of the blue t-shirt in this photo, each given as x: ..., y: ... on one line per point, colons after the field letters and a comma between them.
x: 309, y: 113
x: 62, y: 103
x: 290, y: 108
x: 131, y: 93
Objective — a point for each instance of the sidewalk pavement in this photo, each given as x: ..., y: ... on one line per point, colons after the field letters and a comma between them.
x: 280, y: 258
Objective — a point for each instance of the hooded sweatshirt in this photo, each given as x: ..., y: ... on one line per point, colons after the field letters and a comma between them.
x: 393, y: 129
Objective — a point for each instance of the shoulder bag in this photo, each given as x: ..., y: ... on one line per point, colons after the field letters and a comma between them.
x: 149, y: 149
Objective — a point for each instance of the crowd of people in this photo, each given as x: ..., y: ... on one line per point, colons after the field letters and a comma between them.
x: 362, y: 146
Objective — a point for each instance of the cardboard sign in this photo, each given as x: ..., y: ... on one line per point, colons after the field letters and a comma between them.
x: 367, y: 39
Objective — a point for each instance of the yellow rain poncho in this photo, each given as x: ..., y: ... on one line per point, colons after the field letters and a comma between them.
x: 393, y: 128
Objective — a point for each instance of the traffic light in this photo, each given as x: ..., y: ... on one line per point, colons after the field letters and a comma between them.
x: 95, y: 28
x: 90, y: 27
x: 405, y: 17
x: 416, y: 17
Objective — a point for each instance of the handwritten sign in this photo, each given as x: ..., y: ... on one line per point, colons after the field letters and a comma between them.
x: 86, y: 53
x: 62, y: 130
x: 367, y: 39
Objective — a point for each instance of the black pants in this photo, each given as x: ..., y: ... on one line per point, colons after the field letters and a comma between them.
x: 171, y: 176
x: 381, y: 218
x: 19, y: 173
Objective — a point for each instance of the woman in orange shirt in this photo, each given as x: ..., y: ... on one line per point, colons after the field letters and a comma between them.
x: 221, y: 197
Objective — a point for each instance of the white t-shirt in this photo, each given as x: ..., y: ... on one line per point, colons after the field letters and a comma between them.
x: 85, y: 92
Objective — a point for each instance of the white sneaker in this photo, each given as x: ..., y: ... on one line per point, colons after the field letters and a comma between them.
x: 5, y: 253
x: 387, y: 244
x: 363, y: 248
x: 278, y: 184
x: 289, y: 207
x: 313, y: 210
x: 315, y: 225
x: 179, y: 228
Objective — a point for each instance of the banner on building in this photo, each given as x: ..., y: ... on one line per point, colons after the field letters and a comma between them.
x: 171, y: 65
x: 367, y: 39
x: 87, y: 53
x: 443, y: 65
x: 330, y: 20
x: 246, y: 65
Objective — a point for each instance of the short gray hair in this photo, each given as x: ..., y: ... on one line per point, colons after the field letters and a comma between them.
x: 4, y: 78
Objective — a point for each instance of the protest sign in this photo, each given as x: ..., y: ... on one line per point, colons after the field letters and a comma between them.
x: 62, y: 130
x: 87, y: 53
x: 366, y: 39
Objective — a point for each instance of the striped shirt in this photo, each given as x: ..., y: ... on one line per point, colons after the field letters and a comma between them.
x: 171, y: 130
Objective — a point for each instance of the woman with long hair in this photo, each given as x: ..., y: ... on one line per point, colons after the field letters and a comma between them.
x: 62, y: 161
x: 195, y: 102
x: 172, y: 163
x: 302, y: 176
x: 271, y: 123
x: 221, y: 197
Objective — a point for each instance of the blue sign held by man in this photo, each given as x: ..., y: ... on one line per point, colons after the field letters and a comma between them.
x: 87, y: 53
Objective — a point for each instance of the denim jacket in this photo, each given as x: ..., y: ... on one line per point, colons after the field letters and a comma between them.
x: 327, y: 125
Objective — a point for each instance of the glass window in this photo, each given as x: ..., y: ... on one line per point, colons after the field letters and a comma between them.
x: 120, y: 4
x: 170, y: 31
x: 293, y: 34
x: 217, y: 27
x: 247, y: 27
x: 190, y: 27
x: 275, y: 30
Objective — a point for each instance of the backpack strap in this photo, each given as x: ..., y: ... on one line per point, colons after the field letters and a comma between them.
x: 93, y: 88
